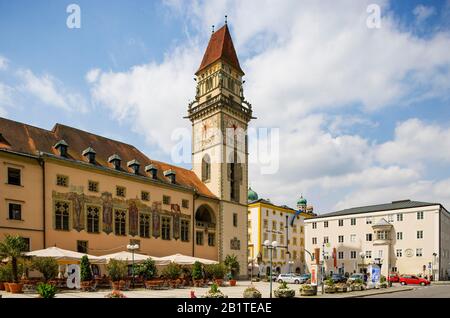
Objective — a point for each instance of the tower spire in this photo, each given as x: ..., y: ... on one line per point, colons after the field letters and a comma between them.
x: 212, y: 28
x: 226, y: 18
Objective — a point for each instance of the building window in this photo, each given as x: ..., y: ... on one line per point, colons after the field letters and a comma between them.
x: 165, y: 228
x: 314, y: 225
x: 341, y: 222
x: 145, y: 196
x: 382, y: 235
x: 352, y: 237
x: 265, y: 252
x: 265, y: 224
x: 61, y: 215
x: 235, y: 219
x: 199, y: 237
x: 281, y: 253
x: 302, y: 242
x: 294, y: 229
x: 206, y: 168
x: 144, y: 225
x: 326, y: 239
x: 368, y: 254
x: 399, y: 235
x: 14, y: 176
x: 282, y: 239
x: 341, y: 255
x: 62, y: 181
x: 419, y: 234
x: 420, y: 215
x: 369, y: 237
x: 314, y: 240
x: 120, y: 222
x: 265, y: 236
x: 325, y: 224
x: 294, y: 241
x: 166, y: 199
x: 274, y: 225
x: 341, y: 238
x: 380, y: 254
x: 353, y: 221
x: 294, y: 255
x: 419, y: 252
x: 184, y: 231
x: 400, y: 217
x: 390, y: 218
x: 15, y: 211
x: 120, y: 191
x: 368, y: 220
x: 353, y: 254
x: 93, y: 186
x: 301, y: 229
x: 185, y: 203
x: 274, y: 237
x: 82, y: 247
x: 399, y: 252
x: 93, y: 219
x: 211, y: 239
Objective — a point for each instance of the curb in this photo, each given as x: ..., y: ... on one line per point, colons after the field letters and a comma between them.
x: 381, y: 293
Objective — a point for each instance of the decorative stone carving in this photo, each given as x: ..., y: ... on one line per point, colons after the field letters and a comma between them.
x: 235, y: 244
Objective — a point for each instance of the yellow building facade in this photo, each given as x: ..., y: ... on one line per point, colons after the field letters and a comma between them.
x: 84, y: 192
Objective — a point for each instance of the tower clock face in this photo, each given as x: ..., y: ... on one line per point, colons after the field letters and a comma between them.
x: 205, y: 132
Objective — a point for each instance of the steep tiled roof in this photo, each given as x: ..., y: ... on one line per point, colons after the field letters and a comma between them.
x: 22, y: 138
x: 220, y: 46
x: 395, y: 205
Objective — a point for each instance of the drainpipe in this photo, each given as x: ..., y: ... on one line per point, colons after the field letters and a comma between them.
x: 42, y: 164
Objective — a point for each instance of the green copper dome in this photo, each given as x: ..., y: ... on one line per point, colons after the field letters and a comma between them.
x: 252, y: 195
x: 302, y: 201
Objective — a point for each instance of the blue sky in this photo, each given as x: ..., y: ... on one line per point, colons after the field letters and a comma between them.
x: 360, y: 110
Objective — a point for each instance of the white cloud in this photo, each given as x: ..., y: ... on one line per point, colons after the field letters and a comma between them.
x: 5, y: 98
x: 92, y: 75
x: 51, y: 91
x: 422, y: 13
x: 3, y: 63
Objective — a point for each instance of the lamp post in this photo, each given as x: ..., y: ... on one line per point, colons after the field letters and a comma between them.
x: 362, y: 255
x: 271, y: 247
x: 132, y: 248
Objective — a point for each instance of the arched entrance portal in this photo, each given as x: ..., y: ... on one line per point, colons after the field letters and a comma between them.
x: 204, y: 217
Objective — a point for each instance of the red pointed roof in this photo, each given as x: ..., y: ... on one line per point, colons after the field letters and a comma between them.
x: 220, y: 46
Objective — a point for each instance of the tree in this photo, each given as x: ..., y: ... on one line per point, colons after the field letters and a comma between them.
x: 117, y: 270
x: 12, y: 247
x: 148, y: 269
x: 85, y: 269
x: 172, y: 271
x: 47, y: 266
x: 232, y: 265
x: 197, y: 272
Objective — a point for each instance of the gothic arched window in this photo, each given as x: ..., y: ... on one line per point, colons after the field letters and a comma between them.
x: 206, y: 168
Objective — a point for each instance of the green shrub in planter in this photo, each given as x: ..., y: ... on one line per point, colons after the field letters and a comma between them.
x: 172, y: 271
x: 197, y: 272
x: 214, y: 292
x: 47, y: 266
x: 308, y: 290
x: 46, y: 290
x: 85, y: 269
x: 283, y: 291
x: 147, y: 269
x: 252, y: 292
x: 117, y: 270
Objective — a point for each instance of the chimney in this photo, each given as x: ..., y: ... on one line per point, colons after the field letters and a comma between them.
x: 152, y: 170
x: 134, y: 164
x: 89, y: 153
x: 115, y: 160
x: 171, y: 174
x: 62, y: 146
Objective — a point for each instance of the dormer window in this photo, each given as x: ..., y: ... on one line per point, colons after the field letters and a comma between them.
x: 115, y: 160
x: 152, y: 170
x: 171, y: 174
x: 89, y: 153
x: 62, y: 146
x: 134, y: 165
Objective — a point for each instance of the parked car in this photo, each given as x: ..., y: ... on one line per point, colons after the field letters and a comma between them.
x: 393, y: 278
x: 338, y: 278
x: 413, y: 280
x: 304, y: 278
x: 289, y: 278
x: 356, y: 276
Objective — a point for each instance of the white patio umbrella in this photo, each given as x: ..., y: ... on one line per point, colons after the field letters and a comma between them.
x: 186, y: 260
x: 64, y: 255
x: 128, y: 257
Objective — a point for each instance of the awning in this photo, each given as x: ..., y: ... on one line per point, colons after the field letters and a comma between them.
x: 128, y: 257
x: 186, y: 260
x: 64, y: 255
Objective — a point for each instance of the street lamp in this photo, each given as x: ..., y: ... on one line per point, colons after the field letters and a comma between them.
x: 270, y: 247
x: 362, y: 255
x: 132, y: 248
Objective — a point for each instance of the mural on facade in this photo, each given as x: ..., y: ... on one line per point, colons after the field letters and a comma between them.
x: 156, y: 210
x: 78, y: 210
x: 235, y: 244
x: 107, y: 202
x: 175, y: 209
x: 133, y: 217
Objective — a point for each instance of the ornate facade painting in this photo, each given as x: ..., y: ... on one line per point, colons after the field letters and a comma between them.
x: 107, y: 201
x: 235, y: 244
x: 78, y: 210
x: 133, y: 216
x: 156, y: 219
x: 175, y: 209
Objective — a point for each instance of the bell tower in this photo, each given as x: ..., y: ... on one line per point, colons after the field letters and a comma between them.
x: 220, y: 116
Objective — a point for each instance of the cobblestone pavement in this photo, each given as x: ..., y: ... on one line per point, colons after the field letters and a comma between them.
x: 231, y: 292
x: 433, y: 291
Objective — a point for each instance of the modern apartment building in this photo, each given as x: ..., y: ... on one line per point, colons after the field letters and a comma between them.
x: 407, y: 237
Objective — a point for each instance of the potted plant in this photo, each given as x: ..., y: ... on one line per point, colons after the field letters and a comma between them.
x: 172, y: 272
x: 12, y: 247
x: 197, y: 274
x: 252, y: 292
x: 5, y: 276
x: 329, y: 287
x: 85, y: 273
x: 46, y: 290
x: 147, y: 270
x: 341, y: 287
x: 214, y: 292
x: 233, y: 267
x: 308, y: 290
x: 283, y: 291
x: 47, y: 266
x: 117, y: 271
x: 218, y: 273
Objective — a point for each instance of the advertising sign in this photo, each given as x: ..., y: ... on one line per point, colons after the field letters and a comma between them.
x: 314, y: 275
x: 73, y: 279
x: 375, y: 274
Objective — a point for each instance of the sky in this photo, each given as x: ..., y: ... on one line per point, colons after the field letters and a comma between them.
x: 362, y: 112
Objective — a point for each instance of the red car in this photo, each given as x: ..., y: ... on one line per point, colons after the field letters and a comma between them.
x: 413, y: 280
x: 394, y: 278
